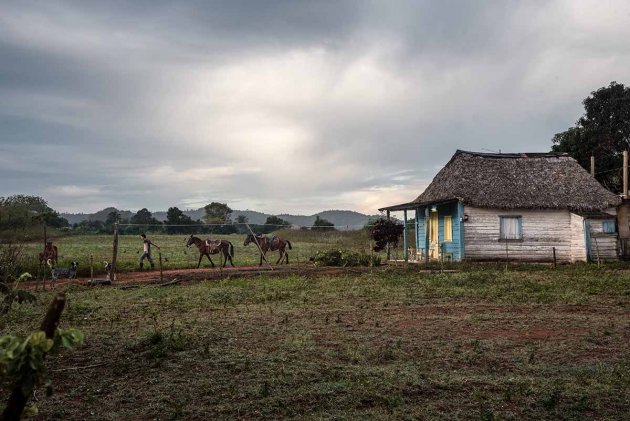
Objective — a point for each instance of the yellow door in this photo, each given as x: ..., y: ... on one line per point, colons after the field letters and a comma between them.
x: 434, y: 248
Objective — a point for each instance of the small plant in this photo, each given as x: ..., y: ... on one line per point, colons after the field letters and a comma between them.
x: 22, y: 361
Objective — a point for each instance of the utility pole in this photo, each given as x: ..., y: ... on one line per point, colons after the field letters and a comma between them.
x: 625, y: 174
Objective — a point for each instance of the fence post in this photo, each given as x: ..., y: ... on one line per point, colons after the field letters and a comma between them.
x: 405, y: 239
x: 112, y: 273
x: 554, y: 257
x: 259, y: 249
x: 160, y: 259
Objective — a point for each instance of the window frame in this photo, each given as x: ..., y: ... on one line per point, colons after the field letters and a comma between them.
x: 449, y: 238
x: 519, y: 225
x: 606, y: 226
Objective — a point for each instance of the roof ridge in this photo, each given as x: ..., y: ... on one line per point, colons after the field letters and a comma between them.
x: 512, y: 155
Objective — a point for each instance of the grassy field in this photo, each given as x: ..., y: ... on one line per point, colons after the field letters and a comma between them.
x: 78, y: 248
x: 392, y: 343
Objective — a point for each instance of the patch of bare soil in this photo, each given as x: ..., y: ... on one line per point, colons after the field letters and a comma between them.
x: 149, y: 277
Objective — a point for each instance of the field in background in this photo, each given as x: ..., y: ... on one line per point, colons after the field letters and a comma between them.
x: 176, y: 255
x: 391, y: 343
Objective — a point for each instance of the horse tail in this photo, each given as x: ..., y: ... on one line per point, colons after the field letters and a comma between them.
x: 289, y: 244
x: 231, y: 249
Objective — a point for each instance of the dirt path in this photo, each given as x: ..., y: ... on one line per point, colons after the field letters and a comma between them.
x: 153, y: 276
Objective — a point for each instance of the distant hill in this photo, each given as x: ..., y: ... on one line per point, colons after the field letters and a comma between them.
x: 341, y: 218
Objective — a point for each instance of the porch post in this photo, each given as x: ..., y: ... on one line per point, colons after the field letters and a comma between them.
x: 426, y: 234
x: 405, y: 240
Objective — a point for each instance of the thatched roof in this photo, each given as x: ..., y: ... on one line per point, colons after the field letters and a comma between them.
x: 512, y: 181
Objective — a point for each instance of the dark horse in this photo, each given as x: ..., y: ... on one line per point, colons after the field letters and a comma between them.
x: 270, y: 244
x: 50, y: 253
x: 208, y: 247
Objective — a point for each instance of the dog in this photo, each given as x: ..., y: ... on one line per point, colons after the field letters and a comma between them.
x: 108, y: 269
x: 70, y: 272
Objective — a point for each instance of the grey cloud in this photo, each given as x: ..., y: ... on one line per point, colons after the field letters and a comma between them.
x: 284, y: 105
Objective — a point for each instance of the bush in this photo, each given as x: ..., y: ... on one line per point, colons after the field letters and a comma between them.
x: 386, y: 231
x: 345, y: 258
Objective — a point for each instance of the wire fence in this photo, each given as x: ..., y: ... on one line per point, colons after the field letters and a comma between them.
x: 305, y: 244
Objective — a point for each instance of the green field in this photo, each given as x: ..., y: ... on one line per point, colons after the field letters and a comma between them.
x: 392, y: 343
x: 78, y: 248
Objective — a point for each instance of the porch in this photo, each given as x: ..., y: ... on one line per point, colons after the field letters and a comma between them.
x: 438, y: 229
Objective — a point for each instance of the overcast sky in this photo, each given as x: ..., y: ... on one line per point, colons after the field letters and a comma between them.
x: 285, y: 106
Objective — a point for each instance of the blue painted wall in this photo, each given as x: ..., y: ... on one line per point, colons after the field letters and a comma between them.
x: 453, y: 210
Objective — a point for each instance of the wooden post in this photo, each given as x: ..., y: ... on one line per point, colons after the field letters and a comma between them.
x: 160, y: 260
x: 507, y: 256
x: 625, y: 174
x: 593, y: 165
x: 17, y: 400
x: 405, y: 239
x: 554, y: 257
x: 389, y: 251
x: 114, y: 254
x: 91, y: 266
x: 597, y: 252
x: 259, y: 249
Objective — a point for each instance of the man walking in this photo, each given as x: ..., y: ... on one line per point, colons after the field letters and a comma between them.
x: 147, y: 251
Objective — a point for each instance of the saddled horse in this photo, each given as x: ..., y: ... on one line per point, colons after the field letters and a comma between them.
x: 270, y: 244
x: 50, y: 253
x: 208, y: 247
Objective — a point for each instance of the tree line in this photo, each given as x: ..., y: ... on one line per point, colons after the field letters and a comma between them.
x: 21, y: 213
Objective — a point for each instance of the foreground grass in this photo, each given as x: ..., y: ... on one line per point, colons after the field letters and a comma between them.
x: 480, y: 344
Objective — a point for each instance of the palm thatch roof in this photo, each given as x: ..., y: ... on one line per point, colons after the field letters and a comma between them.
x: 517, y: 181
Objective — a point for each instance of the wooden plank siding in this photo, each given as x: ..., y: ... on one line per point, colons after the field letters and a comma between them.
x: 603, y: 244
x: 542, y: 230
x: 578, y: 240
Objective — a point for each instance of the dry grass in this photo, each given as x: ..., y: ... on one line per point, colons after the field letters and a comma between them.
x: 394, y: 343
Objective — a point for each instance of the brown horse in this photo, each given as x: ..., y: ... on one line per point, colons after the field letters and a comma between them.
x: 208, y: 247
x: 270, y: 244
x: 50, y: 253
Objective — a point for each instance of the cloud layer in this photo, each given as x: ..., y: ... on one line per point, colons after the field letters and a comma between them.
x: 285, y: 106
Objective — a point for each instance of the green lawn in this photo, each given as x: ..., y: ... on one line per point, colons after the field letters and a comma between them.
x: 531, y: 343
x: 176, y: 255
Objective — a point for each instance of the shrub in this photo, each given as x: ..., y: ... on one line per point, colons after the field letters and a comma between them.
x: 386, y: 231
x: 345, y: 258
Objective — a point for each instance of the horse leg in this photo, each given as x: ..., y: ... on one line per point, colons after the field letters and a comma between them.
x: 231, y: 261
x: 286, y: 257
x: 279, y: 256
x: 208, y: 256
x: 199, y: 262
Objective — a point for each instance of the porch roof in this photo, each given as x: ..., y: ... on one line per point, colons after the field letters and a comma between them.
x: 416, y: 205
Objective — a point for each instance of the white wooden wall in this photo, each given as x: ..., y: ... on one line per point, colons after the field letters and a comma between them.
x: 602, y: 243
x: 542, y: 230
x: 578, y: 242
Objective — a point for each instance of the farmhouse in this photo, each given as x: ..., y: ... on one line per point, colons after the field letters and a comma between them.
x: 524, y: 206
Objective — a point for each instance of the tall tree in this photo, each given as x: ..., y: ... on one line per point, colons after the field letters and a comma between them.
x: 603, y: 131
x: 143, y: 219
x: 219, y: 213
x: 174, y: 216
x: 273, y: 223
